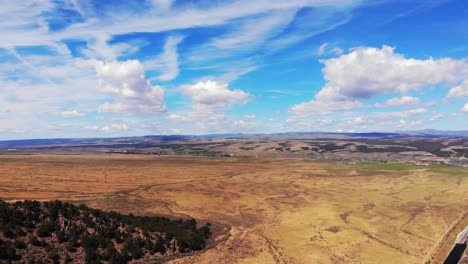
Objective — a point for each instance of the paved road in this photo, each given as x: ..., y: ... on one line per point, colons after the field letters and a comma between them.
x: 456, y: 254
x: 459, y: 249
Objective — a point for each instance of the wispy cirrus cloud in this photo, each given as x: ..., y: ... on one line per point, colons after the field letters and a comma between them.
x: 167, y: 63
x: 245, y: 36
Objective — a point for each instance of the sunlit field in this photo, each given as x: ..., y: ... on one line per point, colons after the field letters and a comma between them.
x: 265, y: 210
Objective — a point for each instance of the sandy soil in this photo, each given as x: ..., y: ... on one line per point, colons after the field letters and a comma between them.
x: 272, y: 210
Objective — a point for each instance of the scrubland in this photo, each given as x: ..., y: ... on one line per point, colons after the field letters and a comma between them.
x: 265, y: 210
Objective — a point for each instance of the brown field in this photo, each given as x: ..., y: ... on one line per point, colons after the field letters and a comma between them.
x: 272, y: 210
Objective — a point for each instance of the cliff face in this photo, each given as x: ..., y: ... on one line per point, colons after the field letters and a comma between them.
x: 62, y: 232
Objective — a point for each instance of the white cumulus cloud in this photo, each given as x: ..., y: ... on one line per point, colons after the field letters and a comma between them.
x: 125, y: 82
x: 460, y: 90
x: 323, y: 107
x: 399, y: 101
x: 465, y: 108
x: 417, y: 111
x: 72, y: 113
x: 211, y: 95
x: 112, y: 128
x: 366, y: 72
x: 407, y: 124
x: 436, y: 117
x: 358, y: 120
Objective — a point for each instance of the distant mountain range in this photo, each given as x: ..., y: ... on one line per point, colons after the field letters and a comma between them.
x: 435, y: 132
x: 166, y: 138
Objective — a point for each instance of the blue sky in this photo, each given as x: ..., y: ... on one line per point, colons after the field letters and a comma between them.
x: 82, y: 68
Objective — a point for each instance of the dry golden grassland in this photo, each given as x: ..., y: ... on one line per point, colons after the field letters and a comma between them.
x: 273, y: 211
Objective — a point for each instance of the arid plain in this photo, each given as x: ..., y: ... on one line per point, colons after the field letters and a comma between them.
x: 266, y: 210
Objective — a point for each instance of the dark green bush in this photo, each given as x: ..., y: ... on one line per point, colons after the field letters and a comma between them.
x: 45, y: 229
x: 7, y: 252
x: 34, y: 241
x: 93, y: 230
x: 53, y: 255
x: 19, y: 244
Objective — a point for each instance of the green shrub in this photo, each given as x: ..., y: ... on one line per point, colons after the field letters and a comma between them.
x: 67, y: 259
x: 45, y: 229
x: 19, y: 244
x: 34, y: 241
x: 92, y: 256
x: 61, y: 236
x: 53, y: 255
x: 7, y: 252
x: 70, y: 247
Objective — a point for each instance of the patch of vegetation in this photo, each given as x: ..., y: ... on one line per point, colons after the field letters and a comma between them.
x: 247, y: 148
x: 449, y: 170
x: 59, y: 229
x: 366, y: 149
x: 284, y: 144
x: 388, y: 166
x: 374, y: 167
x: 331, y: 147
x: 334, y: 229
